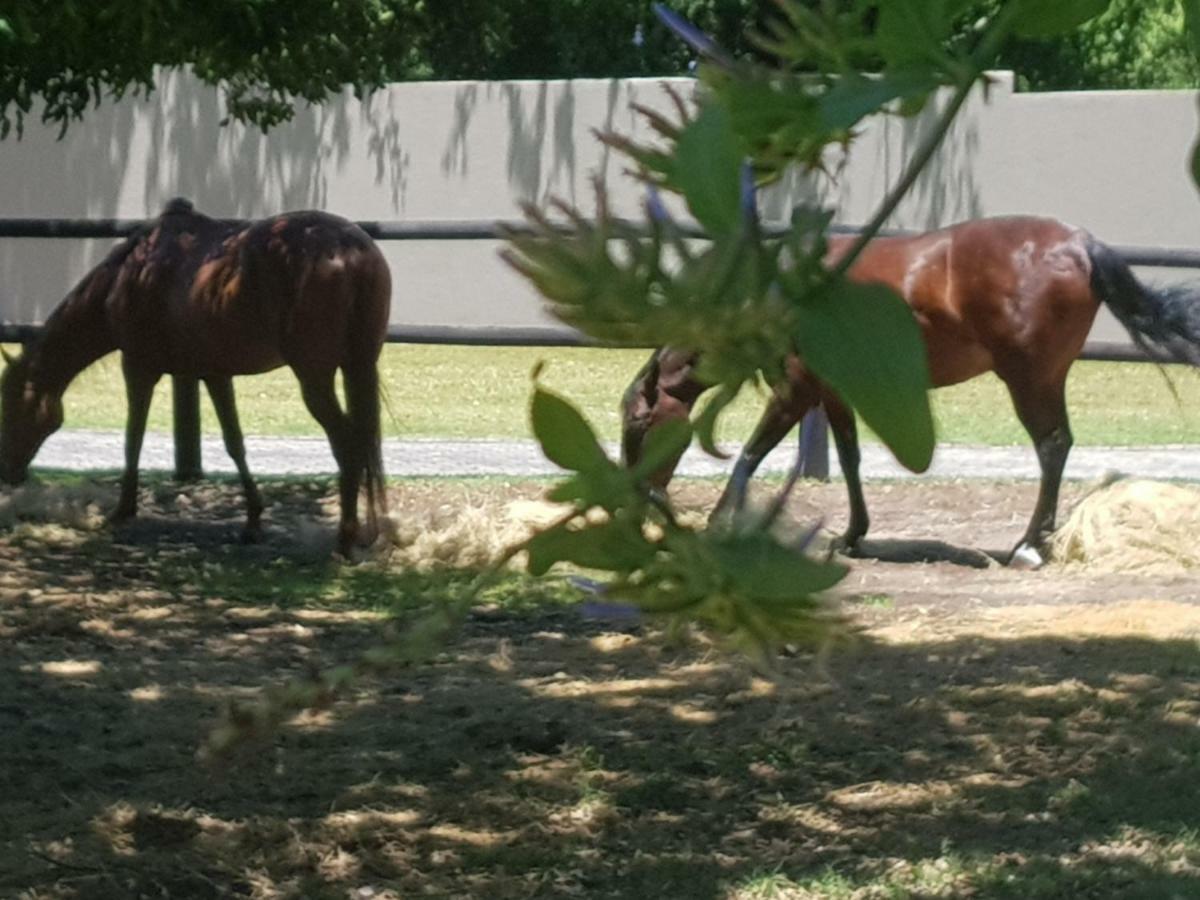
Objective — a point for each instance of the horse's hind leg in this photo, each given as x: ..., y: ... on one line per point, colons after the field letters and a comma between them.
x: 1042, y: 409
x: 139, y: 391
x: 780, y: 417
x: 317, y: 388
x: 220, y: 389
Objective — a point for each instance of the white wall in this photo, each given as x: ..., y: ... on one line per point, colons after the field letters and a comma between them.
x: 1113, y: 162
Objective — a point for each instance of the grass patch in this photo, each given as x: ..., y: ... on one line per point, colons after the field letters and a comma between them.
x: 473, y: 392
x: 288, y: 584
x: 875, y: 601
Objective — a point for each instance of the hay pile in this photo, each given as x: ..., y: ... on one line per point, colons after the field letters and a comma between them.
x: 468, y: 535
x: 1133, y: 526
x: 475, y: 534
x: 77, y: 506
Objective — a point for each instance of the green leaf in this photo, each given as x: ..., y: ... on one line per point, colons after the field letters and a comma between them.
x: 1195, y: 162
x: 1191, y: 18
x: 565, y: 435
x: 776, y: 119
x: 664, y: 443
x: 1047, y: 18
x: 763, y: 569
x: 706, y: 422
x: 912, y: 31
x: 615, y: 545
x: 609, y: 486
x: 708, y: 162
x: 862, y: 340
x: 854, y: 96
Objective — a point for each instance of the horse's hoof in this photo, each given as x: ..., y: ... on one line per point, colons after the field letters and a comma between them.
x: 251, y: 535
x: 120, y: 517
x: 846, y: 546
x: 1026, y: 557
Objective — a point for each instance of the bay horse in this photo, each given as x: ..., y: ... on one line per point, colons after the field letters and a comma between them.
x: 190, y: 295
x: 1014, y: 295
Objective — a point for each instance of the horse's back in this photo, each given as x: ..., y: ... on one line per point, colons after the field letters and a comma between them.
x: 1024, y: 286
x: 988, y: 292
x: 337, y: 288
x: 228, y: 298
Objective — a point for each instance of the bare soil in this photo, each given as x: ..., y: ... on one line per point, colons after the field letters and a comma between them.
x: 986, y: 732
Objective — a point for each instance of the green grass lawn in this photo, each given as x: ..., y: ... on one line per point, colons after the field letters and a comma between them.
x: 482, y: 392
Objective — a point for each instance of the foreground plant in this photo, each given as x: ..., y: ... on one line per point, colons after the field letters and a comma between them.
x: 749, y: 298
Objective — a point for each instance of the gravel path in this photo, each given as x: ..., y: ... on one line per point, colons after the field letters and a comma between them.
x: 103, y: 450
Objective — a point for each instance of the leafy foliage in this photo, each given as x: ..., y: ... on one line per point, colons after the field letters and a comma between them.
x: 739, y: 581
x: 265, y: 54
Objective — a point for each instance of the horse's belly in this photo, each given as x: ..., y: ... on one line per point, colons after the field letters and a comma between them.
x: 956, y: 358
x: 201, y: 354
x: 230, y: 355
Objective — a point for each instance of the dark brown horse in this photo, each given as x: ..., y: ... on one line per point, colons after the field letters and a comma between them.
x: 190, y: 295
x: 1015, y: 296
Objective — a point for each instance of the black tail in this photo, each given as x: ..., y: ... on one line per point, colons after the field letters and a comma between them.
x: 363, y: 391
x: 1163, y: 322
x: 362, y: 402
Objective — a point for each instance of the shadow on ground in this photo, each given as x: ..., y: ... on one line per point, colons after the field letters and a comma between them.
x: 542, y: 755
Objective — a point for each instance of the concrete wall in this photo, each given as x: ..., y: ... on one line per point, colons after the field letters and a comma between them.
x: 1113, y: 162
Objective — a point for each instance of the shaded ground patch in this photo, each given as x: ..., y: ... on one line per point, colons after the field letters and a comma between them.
x: 988, y: 733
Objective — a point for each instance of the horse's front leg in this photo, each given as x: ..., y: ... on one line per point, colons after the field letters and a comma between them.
x: 845, y: 439
x: 139, y: 391
x: 780, y: 417
x: 220, y: 389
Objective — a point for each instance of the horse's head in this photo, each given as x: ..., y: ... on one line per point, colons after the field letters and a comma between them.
x: 665, y: 389
x: 28, y: 415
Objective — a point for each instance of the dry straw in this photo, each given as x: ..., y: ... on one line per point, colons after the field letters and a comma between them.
x: 78, y: 506
x: 1133, y: 526
x: 467, y: 536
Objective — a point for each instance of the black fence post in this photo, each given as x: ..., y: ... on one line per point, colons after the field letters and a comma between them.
x: 185, y: 401
x: 814, y: 445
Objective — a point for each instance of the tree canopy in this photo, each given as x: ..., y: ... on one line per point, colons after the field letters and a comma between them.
x: 266, y: 54
x: 1134, y: 44
x: 263, y: 53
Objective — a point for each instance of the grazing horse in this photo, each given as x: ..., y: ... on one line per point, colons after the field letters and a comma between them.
x: 1016, y: 296
x: 190, y: 295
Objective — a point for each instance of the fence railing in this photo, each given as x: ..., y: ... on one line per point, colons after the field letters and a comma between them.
x: 185, y: 390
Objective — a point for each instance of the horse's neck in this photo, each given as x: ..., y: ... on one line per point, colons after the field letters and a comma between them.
x: 76, y: 334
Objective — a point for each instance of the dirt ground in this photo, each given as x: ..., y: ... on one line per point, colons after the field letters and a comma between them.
x: 988, y: 732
